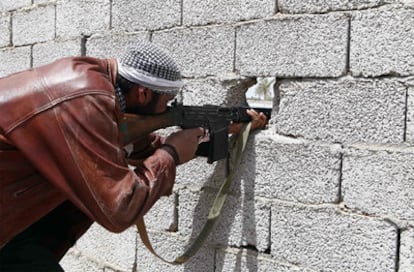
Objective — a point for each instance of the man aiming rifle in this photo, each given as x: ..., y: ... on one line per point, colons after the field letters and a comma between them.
x: 62, y: 160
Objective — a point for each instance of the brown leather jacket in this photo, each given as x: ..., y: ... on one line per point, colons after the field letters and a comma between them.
x: 60, y: 143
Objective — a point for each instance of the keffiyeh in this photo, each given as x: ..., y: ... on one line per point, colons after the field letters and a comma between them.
x: 148, y: 65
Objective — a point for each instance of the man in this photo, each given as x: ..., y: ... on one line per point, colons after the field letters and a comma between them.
x: 62, y: 162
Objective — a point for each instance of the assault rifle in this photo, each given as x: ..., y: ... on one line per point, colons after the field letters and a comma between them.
x: 216, y: 119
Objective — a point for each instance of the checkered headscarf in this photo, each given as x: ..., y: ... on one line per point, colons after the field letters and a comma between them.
x: 148, y: 65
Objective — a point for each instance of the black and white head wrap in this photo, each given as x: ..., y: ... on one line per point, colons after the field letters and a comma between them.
x: 148, y: 65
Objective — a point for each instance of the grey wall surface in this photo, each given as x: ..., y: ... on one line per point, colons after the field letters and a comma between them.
x: 329, y: 186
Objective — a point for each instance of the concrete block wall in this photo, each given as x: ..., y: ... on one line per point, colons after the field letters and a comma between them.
x: 329, y: 186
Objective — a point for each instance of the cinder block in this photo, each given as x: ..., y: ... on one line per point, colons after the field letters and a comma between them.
x: 298, y: 6
x: 242, y: 222
x: 74, y: 261
x: 34, y: 25
x: 195, y: 173
x: 204, y: 91
x: 410, y: 116
x: 71, y: 17
x: 4, y: 30
x: 294, y: 46
x: 169, y: 247
x: 324, y: 238
x: 200, y: 51
x: 221, y: 91
x: 107, y: 247
x: 277, y: 167
x: 382, y: 42
x: 205, y: 12
x: 347, y: 110
x: 407, y: 250
x: 380, y: 181
x: 50, y: 51
x: 145, y: 15
x: 162, y: 216
x: 110, y: 45
x: 14, y: 60
x: 7, y: 5
x: 248, y: 260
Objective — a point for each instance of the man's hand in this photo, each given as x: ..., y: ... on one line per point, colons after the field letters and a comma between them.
x: 185, y: 143
x: 259, y: 121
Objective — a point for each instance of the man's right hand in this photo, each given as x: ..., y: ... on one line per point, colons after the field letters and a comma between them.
x: 185, y: 142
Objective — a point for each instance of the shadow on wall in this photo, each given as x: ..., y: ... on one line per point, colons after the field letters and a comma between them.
x: 237, y: 225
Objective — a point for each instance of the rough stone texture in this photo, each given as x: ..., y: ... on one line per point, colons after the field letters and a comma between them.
x: 200, y: 51
x: 107, y: 247
x: 81, y: 17
x: 14, y: 60
x: 204, y: 12
x: 242, y: 222
x: 410, y: 116
x: 228, y: 90
x: 37, y: 2
x: 34, y: 25
x: 317, y: 6
x: 204, y: 91
x: 407, y: 250
x: 295, y: 170
x: 293, y: 46
x: 145, y: 15
x: 248, y: 260
x: 382, y: 43
x: 346, y: 110
x: 169, y: 247
x: 44, y: 53
x: 7, y: 5
x: 196, y: 173
x: 162, y: 215
x: 326, y: 239
x: 112, y: 44
x: 380, y: 181
x: 4, y: 30
x: 74, y: 261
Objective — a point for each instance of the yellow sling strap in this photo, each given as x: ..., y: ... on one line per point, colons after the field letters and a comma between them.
x: 235, y: 158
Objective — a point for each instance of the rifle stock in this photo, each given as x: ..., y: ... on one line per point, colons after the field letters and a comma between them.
x: 135, y: 127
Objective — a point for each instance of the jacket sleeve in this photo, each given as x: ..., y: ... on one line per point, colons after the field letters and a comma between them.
x: 145, y: 147
x: 76, y: 146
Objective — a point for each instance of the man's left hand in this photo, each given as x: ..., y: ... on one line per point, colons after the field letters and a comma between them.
x: 259, y: 121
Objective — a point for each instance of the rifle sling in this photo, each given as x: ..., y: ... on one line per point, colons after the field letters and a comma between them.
x: 234, y: 161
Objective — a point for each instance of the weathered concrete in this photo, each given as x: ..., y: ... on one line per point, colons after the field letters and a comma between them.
x: 379, y: 180
x: 382, y: 42
x: 347, y: 110
x: 297, y: 46
x: 324, y: 238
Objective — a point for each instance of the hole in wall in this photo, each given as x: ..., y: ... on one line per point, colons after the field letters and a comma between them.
x: 261, y: 94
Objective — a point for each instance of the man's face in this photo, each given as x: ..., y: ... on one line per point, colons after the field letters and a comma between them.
x: 157, y: 103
